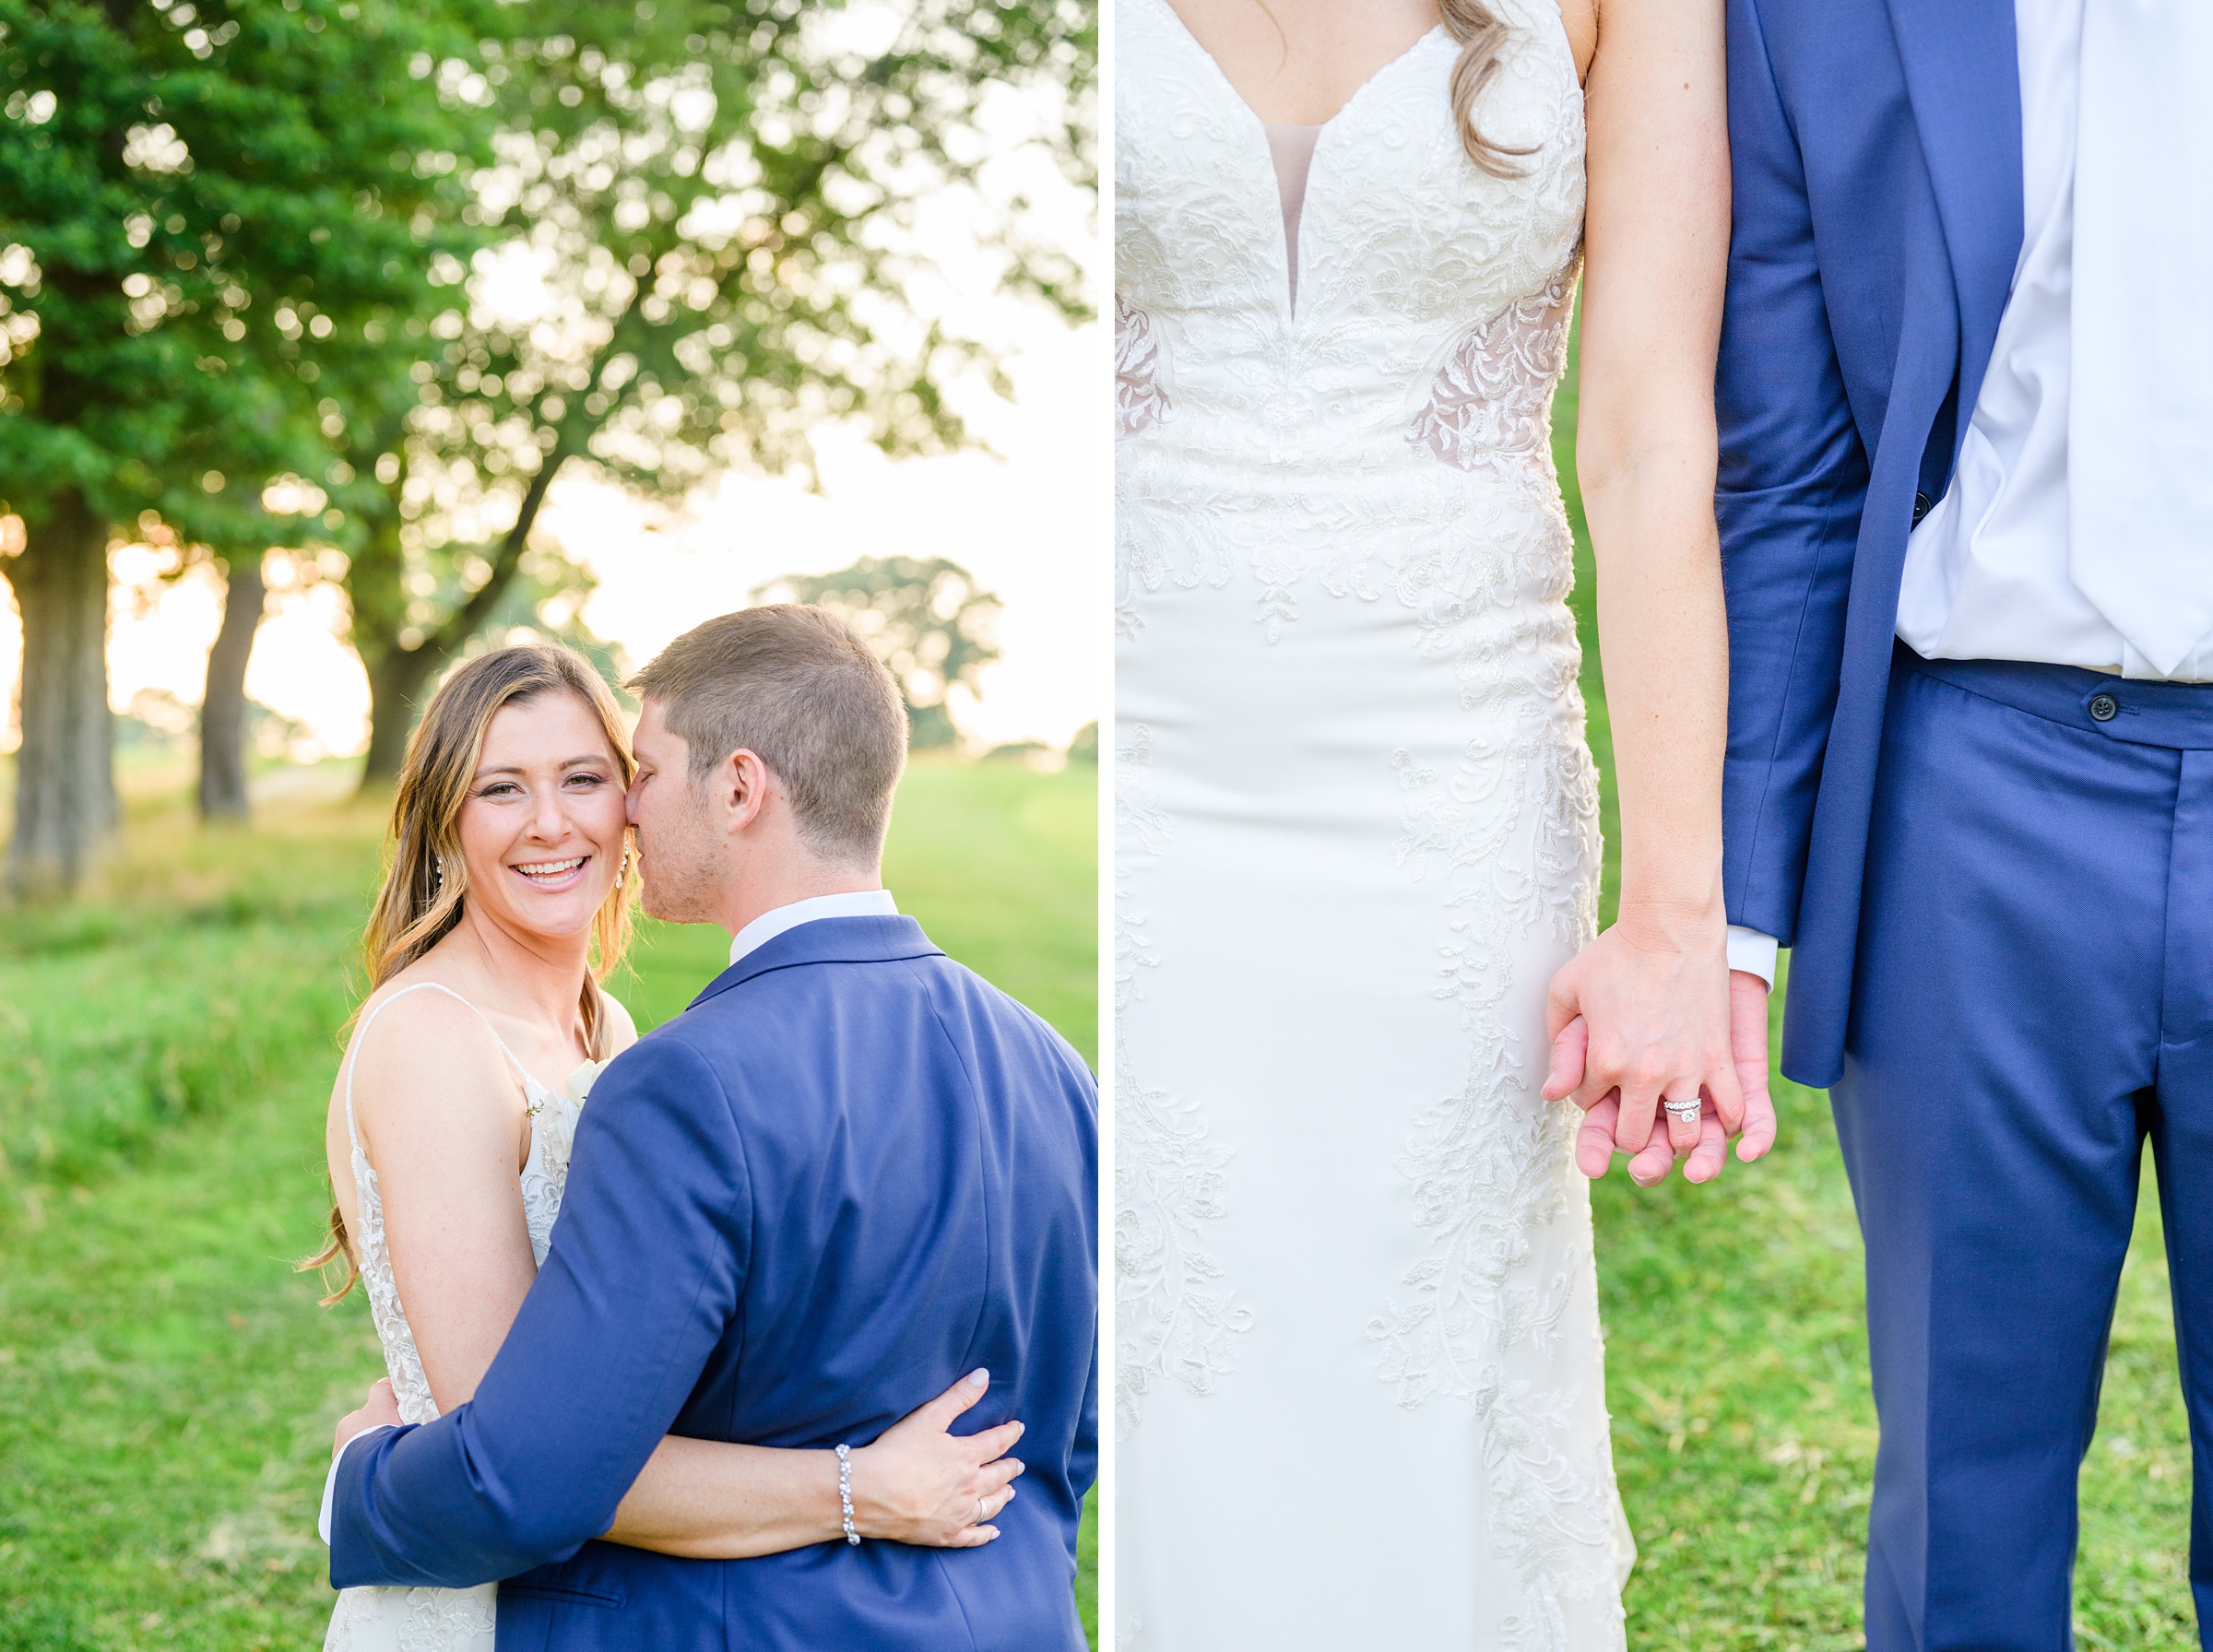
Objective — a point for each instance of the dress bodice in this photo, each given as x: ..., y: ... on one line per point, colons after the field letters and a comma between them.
x: 1389, y: 438
x: 553, y: 1115
x: 1410, y: 258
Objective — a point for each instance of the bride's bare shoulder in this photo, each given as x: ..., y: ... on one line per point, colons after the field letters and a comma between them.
x: 423, y: 1055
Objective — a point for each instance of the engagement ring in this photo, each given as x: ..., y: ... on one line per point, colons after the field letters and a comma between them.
x: 1684, y: 1110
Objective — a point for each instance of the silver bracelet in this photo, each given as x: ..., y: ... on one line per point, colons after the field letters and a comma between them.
x: 844, y: 1494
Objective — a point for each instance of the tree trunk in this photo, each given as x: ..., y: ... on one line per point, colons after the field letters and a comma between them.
x: 223, y: 705
x: 396, y: 683
x: 396, y: 675
x: 65, y: 805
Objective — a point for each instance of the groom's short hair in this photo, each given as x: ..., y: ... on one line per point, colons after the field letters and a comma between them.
x: 800, y: 689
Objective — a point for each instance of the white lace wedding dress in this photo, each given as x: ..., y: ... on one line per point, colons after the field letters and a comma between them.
x: 425, y: 1619
x: 1360, y: 1378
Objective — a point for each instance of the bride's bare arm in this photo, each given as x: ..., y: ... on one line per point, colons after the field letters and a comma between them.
x: 916, y: 1483
x: 1652, y: 993
x: 441, y: 1118
x: 443, y: 1124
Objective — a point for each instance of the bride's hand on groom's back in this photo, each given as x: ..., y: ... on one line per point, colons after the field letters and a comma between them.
x: 920, y: 1483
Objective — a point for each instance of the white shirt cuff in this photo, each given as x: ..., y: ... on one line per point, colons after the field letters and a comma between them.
x: 1752, y: 952
x: 330, y: 1480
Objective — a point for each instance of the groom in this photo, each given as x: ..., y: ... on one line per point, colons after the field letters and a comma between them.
x: 849, y: 1172
x: 1966, y: 399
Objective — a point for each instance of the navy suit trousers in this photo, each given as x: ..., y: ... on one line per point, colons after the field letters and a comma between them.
x: 2033, y: 1002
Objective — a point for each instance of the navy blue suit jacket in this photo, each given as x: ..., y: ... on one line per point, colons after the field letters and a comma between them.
x: 850, y: 1173
x: 1876, y: 152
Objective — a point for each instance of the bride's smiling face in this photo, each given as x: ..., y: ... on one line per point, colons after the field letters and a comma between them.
x: 542, y: 828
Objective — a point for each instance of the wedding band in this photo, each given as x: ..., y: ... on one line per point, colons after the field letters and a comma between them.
x: 1682, y: 1112
x: 980, y: 1515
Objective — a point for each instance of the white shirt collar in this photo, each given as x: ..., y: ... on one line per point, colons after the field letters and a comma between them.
x: 857, y: 903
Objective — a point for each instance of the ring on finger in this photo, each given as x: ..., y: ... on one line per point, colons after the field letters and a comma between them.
x: 1684, y: 1110
x: 980, y: 1514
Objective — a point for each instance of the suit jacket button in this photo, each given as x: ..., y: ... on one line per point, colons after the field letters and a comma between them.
x: 2105, y: 708
x: 1923, y: 505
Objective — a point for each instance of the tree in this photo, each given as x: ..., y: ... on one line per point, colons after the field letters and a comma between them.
x: 203, y: 200
x: 925, y: 619
x: 710, y: 211
x: 224, y: 701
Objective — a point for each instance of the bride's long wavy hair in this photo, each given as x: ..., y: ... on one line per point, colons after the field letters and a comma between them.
x: 1481, y: 34
x: 425, y: 889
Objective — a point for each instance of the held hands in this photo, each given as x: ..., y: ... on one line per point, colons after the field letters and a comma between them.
x: 1649, y: 1013
x: 921, y: 1483
x: 381, y: 1409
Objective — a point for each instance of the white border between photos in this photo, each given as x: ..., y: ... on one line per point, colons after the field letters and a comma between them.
x: 1104, y: 540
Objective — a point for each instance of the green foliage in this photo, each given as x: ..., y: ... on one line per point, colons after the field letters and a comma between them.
x: 205, y: 203
x: 707, y: 240
x: 166, y: 1384
x: 925, y: 619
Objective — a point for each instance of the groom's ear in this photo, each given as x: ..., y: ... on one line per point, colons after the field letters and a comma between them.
x: 743, y: 785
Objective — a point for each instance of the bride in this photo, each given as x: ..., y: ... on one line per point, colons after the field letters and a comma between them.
x: 1357, y: 817
x: 505, y: 900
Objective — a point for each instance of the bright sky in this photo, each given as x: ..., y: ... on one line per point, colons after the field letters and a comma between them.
x: 1027, y: 517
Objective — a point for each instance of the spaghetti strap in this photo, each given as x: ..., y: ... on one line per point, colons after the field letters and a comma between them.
x: 361, y: 1031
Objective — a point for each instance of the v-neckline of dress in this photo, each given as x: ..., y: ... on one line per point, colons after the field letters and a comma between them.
x: 1257, y: 132
x: 1243, y: 102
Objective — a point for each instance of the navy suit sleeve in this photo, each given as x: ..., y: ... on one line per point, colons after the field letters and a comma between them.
x: 1792, y: 481
x: 1083, y: 1459
x: 647, y: 1262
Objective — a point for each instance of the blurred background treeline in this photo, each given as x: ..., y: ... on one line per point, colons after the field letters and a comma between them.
x: 340, y: 340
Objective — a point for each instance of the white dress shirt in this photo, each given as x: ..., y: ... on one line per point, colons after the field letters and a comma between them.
x: 857, y: 903
x: 2011, y: 564
x: 2102, y: 372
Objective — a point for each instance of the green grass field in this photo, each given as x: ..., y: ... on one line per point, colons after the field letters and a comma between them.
x: 167, y: 1384
x: 1736, y: 1367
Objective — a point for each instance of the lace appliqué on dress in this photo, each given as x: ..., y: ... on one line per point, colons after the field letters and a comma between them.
x: 1140, y: 401
x: 1173, y: 1316
x: 410, y: 1387
x: 1489, y: 1166
x: 1490, y: 406
x: 554, y: 1115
